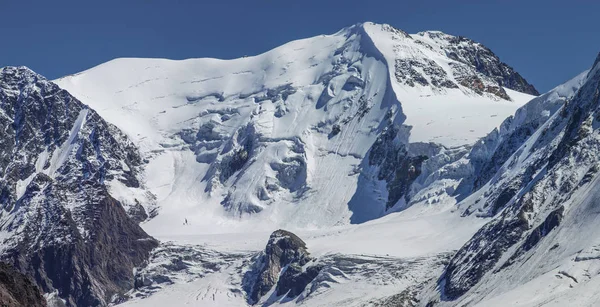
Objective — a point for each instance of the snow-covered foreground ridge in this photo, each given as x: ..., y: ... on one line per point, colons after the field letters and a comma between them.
x: 318, y: 132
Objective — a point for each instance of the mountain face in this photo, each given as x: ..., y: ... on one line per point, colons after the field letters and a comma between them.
x: 59, y: 224
x: 307, y: 134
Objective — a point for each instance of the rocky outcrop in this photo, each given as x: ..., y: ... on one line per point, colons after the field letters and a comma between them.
x: 17, y: 289
x: 478, y: 86
x: 395, y: 165
x: 407, y: 72
x: 284, y: 263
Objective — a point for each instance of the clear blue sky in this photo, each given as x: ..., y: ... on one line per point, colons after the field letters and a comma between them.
x: 546, y: 41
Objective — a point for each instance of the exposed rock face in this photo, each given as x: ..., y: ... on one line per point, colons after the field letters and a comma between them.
x: 293, y: 280
x: 479, y: 87
x: 281, y: 264
x: 86, y: 270
x: 407, y: 72
x: 396, y: 166
x: 17, y: 289
x: 467, y: 51
x: 63, y: 227
x: 472, y: 65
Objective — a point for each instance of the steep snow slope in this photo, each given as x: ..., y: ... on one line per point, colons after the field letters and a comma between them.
x: 541, y: 188
x: 285, y: 138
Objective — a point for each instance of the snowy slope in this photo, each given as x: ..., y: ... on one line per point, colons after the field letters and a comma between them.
x: 282, y: 138
x: 364, y: 263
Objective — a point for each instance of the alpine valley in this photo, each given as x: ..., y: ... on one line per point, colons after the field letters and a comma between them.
x: 370, y: 167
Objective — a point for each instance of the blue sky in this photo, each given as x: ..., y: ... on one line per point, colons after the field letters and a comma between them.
x: 548, y: 41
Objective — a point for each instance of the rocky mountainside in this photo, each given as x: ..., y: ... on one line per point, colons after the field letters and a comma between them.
x: 58, y: 221
x: 466, y: 51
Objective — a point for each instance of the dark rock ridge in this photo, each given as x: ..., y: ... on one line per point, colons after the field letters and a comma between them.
x: 62, y: 225
x: 17, y: 289
x: 284, y: 263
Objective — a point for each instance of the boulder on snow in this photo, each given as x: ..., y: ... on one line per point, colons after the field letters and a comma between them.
x: 282, y: 264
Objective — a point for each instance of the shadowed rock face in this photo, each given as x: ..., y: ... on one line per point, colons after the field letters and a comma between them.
x: 293, y: 280
x: 396, y: 166
x: 17, y: 290
x: 281, y: 264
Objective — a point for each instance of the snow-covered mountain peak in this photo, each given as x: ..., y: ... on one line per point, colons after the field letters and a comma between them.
x: 288, y: 133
